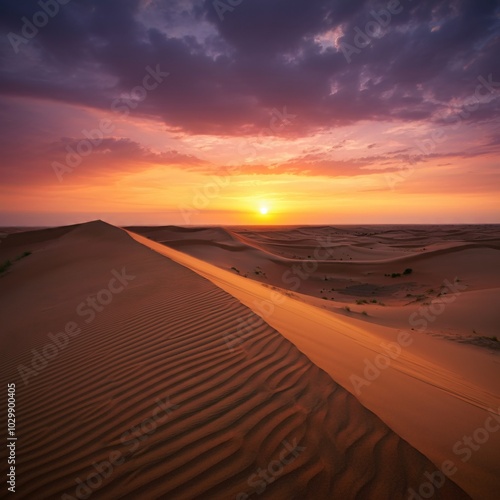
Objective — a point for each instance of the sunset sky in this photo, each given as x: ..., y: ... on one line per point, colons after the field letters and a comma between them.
x: 212, y: 112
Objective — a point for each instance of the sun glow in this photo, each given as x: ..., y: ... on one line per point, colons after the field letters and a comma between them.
x: 264, y: 210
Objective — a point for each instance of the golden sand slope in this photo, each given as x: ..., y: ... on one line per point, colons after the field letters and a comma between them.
x: 150, y: 385
x: 435, y: 394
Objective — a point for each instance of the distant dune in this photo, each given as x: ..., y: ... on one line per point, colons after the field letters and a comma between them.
x: 128, y: 386
x: 342, y: 312
x: 358, y: 267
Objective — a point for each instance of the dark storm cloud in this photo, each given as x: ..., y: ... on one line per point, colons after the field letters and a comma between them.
x: 226, y: 75
x: 276, y: 26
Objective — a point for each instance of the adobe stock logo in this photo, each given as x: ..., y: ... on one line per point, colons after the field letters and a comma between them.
x: 373, y: 29
x: 262, y: 478
x: 223, y: 6
x: 89, y: 310
x: 464, y: 448
x: 121, y: 107
x: 40, y: 19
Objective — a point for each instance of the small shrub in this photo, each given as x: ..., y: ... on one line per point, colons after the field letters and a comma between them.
x: 8, y: 263
x: 24, y: 254
x: 364, y: 313
x: 258, y: 271
x: 395, y: 275
x: 5, y: 266
x: 347, y: 308
x: 408, y: 270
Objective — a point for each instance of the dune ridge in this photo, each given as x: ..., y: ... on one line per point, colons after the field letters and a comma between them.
x: 162, y: 338
x: 419, y: 395
x: 365, y: 265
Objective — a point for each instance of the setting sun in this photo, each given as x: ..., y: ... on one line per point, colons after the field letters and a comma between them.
x: 264, y: 210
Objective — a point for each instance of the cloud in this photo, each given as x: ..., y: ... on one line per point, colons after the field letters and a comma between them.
x: 227, y: 75
x: 111, y: 157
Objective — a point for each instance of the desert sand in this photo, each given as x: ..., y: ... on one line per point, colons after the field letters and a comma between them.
x: 435, y: 393
x: 177, y: 363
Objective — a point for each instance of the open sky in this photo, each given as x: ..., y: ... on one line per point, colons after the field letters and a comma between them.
x: 211, y: 112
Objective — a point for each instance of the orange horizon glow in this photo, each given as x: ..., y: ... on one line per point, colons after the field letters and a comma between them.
x: 144, y: 189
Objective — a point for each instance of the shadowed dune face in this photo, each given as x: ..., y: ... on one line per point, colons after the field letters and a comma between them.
x: 149, y: 400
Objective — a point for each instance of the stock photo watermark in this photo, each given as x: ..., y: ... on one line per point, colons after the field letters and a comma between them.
x: 419, y: 320
x: 265, y: 308
x: 483, y: 94
x: 463, y: 448
x: 121, y: 106
x: 373, y: 29
x: 88, y: 309
x: 223, y: 6
x: 203, y: 195
x: 133, y: 439
x: 11, y: 437
x: 262, y: 478
x: 30, y: 28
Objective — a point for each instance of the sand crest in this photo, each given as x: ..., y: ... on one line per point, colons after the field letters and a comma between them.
x: 150, y: 379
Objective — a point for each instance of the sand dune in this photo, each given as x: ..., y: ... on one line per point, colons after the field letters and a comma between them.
x: 434, y: 393
x: 358, y: 268
x: 149, y: 394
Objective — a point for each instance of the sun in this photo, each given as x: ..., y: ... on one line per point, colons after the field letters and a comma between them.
x: 264, y: 210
